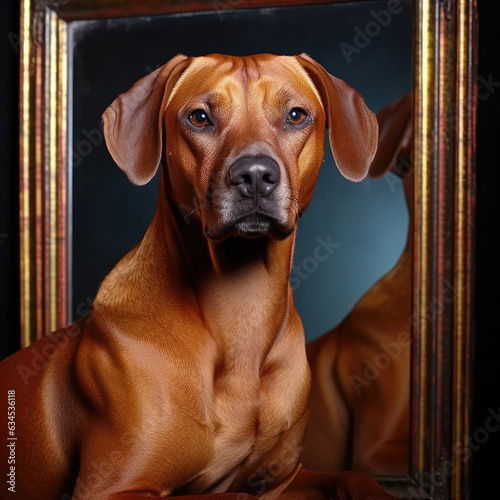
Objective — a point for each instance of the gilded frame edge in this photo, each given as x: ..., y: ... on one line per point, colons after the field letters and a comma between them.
x: 445, y: 115
x: 445, y: 41
x: 43, y: 171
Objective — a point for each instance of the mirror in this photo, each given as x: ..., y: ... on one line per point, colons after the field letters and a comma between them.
x: 351, y: 234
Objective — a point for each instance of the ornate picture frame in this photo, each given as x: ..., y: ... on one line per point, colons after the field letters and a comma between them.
x: 445, y: 67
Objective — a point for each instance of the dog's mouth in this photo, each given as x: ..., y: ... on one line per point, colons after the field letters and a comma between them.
x: 253, y: 224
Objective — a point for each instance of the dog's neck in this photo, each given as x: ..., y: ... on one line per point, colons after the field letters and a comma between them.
x: 239, y: 287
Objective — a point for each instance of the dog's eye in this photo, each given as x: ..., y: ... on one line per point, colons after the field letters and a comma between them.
x: 199, y: 118
x: 296, y: 116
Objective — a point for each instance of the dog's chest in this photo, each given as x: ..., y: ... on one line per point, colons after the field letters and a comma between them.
x: 247, y: 422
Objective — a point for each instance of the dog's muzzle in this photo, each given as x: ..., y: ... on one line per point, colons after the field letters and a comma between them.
x: 250, y: 199
x: 256, y: 208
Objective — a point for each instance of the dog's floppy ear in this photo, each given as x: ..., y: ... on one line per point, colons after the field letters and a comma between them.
x: 352, y: 127
x: 395, y: 141
x: 133, y: 122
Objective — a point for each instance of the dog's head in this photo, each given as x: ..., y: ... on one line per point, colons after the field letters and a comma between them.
x: 242, y: 138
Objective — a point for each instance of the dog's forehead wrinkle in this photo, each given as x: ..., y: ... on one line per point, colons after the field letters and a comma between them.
x: 199, y: 75
x: 254, y: 82
x: 283, y: 91
x: 215, y: 99
x: 242, y: 72
x: 229, y: 94
x: 252, y: 68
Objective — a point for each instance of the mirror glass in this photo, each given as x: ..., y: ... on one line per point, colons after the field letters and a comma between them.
x: 350, y: 236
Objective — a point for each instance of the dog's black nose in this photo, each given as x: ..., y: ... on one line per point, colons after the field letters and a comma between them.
x: 255, y: 176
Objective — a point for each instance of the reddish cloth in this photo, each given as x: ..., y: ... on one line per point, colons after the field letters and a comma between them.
x: 334, y: 486
x: 317, y: 486
x: 307, y: 485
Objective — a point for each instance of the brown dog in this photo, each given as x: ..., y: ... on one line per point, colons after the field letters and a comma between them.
x: 190, y: 375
